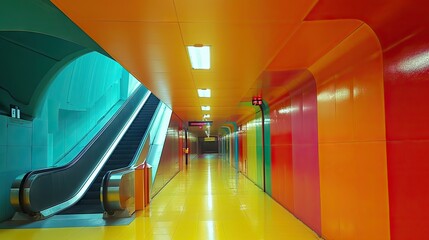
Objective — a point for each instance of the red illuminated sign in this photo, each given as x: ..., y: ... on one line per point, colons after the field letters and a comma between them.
x: 257, y: 101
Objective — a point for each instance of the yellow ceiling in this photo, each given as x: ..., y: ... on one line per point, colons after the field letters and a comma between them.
x: 149, y: 38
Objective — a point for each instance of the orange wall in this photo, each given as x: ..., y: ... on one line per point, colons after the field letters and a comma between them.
x: 402, y: 28
x: 352, y: 142
x: 346, y: 68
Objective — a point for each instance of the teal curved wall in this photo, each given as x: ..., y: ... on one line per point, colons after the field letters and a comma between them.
x: 80, y: 97
x: 36, y: 41
x: 79, y: 101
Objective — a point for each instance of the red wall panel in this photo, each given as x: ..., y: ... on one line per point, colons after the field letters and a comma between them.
x: 408, y: 183
x: 407, y: 117
x: 281, y: 154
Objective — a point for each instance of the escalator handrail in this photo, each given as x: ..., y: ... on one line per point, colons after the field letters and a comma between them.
x: 26, y: 180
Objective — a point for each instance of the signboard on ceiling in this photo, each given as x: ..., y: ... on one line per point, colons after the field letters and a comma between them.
x: 199, y: 123
x: 209, y: 139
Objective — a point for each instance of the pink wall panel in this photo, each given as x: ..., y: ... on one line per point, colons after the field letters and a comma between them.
x: 240, y: 152
x: 305, y: 156
x: 294, y: 154
x: 310, y: 131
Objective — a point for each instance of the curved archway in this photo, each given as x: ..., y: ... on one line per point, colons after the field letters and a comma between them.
x: 43, y: 42
x: 29, y: 62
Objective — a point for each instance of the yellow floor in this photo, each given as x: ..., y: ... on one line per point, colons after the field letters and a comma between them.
x: 207, y: 201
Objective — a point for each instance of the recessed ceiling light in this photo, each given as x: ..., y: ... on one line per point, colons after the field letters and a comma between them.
x: 200, y: 56
x: 205, y: 108
x: 204, y: 93
x: 206, y: 116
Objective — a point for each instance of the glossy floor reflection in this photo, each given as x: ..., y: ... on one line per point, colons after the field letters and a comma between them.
x: 207, y: 201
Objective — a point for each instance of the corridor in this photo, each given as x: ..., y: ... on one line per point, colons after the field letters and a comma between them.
x: 208, y: 200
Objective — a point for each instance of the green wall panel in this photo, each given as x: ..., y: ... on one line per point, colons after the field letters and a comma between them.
x: 267, y: 148
x: 259, y: 152
x: 252, y: 151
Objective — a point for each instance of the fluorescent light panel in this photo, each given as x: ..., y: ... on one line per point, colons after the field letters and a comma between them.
x: 206, y: 116
x: 200, y: 57
x: 205, y: 108
x: 204, y: 93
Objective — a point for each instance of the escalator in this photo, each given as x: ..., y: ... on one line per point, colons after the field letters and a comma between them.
x: 121, y: 157
x: 75, y: 187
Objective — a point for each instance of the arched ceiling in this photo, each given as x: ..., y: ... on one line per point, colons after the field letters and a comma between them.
x: 36, y: 41
x: 38, y: 52
x: 250, y: 40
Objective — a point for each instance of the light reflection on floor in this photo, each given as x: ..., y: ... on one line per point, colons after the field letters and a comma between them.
x: 207, y: 201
